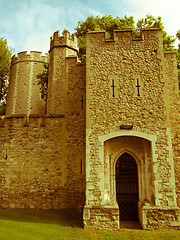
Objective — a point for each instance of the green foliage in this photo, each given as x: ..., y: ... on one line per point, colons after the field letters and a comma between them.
x: 152, y: 22
x: 108, y: 23
x: 149, y: 22
x: 43, y: 81
x: 178, y: 36
x: 5, y: 63
x: 3, y: 107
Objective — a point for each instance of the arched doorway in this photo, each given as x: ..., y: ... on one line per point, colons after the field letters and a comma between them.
x: 127, y: 187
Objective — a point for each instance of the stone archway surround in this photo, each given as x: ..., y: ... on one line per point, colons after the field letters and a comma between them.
x: 140, y: 150
x: 110, y: 161
x: 105, y: 215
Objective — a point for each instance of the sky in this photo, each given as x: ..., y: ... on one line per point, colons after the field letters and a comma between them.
x: 28, y: 24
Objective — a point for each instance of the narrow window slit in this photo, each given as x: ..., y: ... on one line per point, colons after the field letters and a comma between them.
x: 82, y: 102
x: 138, y: 87
x: 81, y: 165
x: 113, y: 86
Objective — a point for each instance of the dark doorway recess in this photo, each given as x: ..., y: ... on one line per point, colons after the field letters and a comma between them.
x: 127, y: 187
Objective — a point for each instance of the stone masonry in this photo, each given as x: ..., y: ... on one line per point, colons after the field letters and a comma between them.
x: 63, y: 153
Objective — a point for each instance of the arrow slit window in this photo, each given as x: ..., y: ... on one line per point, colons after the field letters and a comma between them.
x: 113, y: 86
x: 138, y: 86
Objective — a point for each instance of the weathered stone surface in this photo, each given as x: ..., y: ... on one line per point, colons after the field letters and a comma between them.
x: 63, y: 154
x: 139, y: 71
x: 161, y: 218
x: 35, y: 169
x: 101, y: 217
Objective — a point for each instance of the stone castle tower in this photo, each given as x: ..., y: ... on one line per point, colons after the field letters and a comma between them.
x: 24, y: 69
x: 107, y: 141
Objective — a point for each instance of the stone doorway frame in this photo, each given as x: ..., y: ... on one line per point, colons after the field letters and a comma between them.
x: 105, y: 214
x: 140, y: 165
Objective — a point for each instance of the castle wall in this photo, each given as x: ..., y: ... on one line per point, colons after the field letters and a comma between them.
x: 43, y: 157
x: 75, y: 110
x: 122, y: 99
x: 24, y: 92
x: 125, y: 84
x: 32, y: 165
x: 60, y: 48
x: 173, y: 98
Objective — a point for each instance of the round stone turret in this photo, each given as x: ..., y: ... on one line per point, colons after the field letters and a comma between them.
x: 24, y: 93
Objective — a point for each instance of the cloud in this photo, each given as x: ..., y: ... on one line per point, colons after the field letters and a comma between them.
x: 35, y: 23
x: 95, y: 13
x: 28, y: 25
x: 37, y: 26
x: 169, y: 11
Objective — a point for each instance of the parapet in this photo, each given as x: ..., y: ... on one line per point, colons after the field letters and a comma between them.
x: 33, y: 56
x: 128, y: 34
x: 66, y: 40
x: 170, y: 54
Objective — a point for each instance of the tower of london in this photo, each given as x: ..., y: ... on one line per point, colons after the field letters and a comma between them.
x: 106, y: 141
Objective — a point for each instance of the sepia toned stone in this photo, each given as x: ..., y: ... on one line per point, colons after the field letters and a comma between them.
x: 120, y: 104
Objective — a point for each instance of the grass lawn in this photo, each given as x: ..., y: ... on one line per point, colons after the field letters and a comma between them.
x: 65, y: 225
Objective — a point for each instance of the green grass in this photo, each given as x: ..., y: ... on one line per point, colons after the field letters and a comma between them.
x: 65, y: 225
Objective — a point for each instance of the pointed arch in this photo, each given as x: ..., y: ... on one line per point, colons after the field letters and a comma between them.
x: 127, y: 187
x: 139, y: 161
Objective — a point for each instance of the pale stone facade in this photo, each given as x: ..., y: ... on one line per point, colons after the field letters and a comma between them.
x: 122, y: 102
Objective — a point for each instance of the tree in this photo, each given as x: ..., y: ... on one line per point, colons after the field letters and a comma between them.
x: 5, y: 63
x: 43, y: 81
x: 152, y: 22
x: 178, y: 36
x: 108, y: 23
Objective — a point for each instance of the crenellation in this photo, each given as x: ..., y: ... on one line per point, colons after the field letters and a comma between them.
x: 33, y: 56
x: 127, y: 35
x: 64, y: 41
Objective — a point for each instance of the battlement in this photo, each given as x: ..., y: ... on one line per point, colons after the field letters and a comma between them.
x: 127, y: 34
x: 170, y: 54
x: 66, y: 40
x: 33, y: 56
